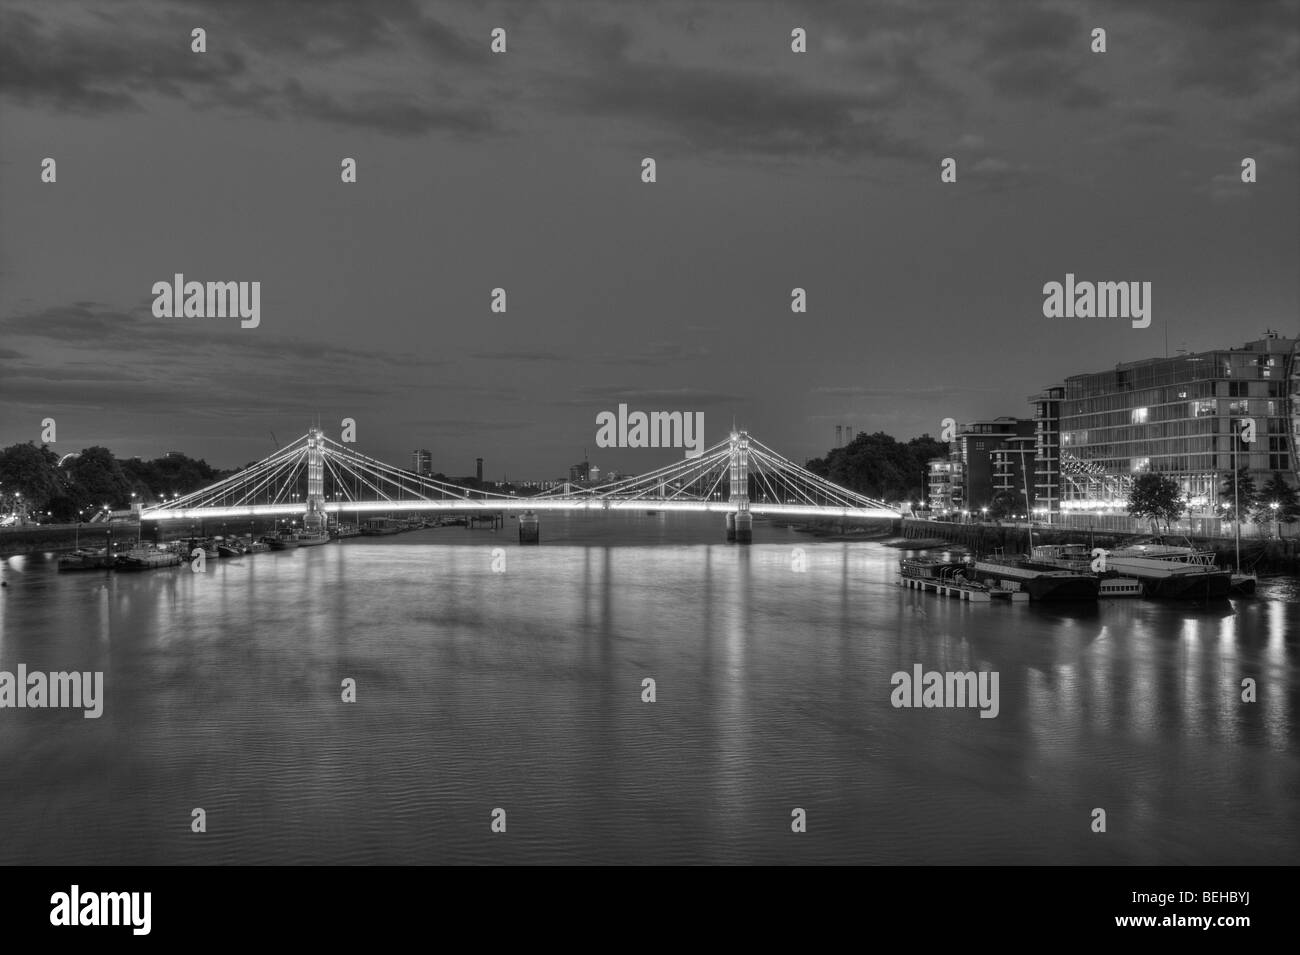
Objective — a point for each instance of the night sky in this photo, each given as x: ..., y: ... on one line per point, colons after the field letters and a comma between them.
x: 523, y: 170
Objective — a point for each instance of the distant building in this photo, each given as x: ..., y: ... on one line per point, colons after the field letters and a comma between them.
x: 945, y: 486
x: 985, y: 464
x: 578, y: 472
x: 1179, y: 416
x: 1047, y: 449
x: 1013, y: 471
x: 422, y: 462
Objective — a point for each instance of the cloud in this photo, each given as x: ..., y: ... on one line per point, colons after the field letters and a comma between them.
x: 655, y: 353
x: 1236, y: 51
x: 750, y: 113
x: 652, y: 399
x: 385, y: 111
x: 93, y: 356
x: 269, y: 60
x: 89, y: 70
x: 869, y: 391
x: 719, y: 110
x: 469, y: 427
x: 1274, y: 123
x: 1026, y: 56
x: 997, y: 175
x: 520, y: 354
x: 1226, y: 187
x: 137, y: 332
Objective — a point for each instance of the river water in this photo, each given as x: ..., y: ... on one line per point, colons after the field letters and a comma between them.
x: 519, y: 687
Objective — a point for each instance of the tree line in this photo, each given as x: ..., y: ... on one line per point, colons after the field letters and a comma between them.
x: 1158, y: 498
x: 31, y: 479
x: 880, y: 466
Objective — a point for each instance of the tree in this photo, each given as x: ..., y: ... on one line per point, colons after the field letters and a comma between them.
x: 29, y: 474
x: 1276, y: 490
x: 880, y: 466
x: 95, y: 478
x: 1156, y: 498
x: 1247, y: 495
x: 1005, y: 504
x: 174, y: 474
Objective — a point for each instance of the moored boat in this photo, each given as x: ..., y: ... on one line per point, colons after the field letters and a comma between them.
x: 143, y: 557
x: 1039, y: 583
x: 86, y: 559
x: 1171, y: 571
x: 1243, y: 584
x: 188, y: 545
x: 950, y: 579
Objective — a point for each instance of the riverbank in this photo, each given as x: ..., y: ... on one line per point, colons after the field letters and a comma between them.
x: 39, y: 538
x: 1259, y: 556
x: 856, y: 529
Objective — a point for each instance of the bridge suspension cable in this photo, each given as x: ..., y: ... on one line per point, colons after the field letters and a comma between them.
x: 339, y: 479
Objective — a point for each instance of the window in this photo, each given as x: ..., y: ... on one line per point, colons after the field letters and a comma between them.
x: 1139, y: 416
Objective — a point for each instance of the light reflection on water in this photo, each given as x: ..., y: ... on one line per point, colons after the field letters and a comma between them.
x: 523, y: 690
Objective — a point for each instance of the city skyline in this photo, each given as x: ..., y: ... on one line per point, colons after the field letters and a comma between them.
x: 521, y: 170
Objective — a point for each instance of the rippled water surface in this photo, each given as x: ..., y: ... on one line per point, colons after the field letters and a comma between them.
x: 522, y: 690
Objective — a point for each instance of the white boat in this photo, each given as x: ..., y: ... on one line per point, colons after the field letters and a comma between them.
x: 1120, y: 587
x: 1170, y: 570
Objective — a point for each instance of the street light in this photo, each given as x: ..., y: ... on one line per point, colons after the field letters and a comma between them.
x: 1277, y: 527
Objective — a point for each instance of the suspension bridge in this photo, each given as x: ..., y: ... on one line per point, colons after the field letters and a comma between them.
x: 319, y: 478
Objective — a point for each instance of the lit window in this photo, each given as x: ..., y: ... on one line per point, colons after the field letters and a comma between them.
x: 1139, y: 415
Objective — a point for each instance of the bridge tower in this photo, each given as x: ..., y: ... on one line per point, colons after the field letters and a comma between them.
x: 314, y: 521
x: 740, y: 523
